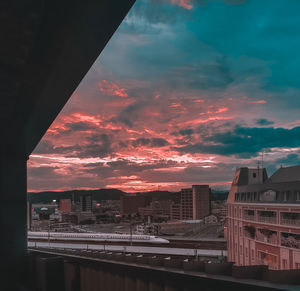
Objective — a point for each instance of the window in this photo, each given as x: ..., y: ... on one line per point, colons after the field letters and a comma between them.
x: 255, y: 196
x: 254, y: 175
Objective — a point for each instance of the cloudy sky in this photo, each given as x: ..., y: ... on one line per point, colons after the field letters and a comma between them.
x: 185, y: 92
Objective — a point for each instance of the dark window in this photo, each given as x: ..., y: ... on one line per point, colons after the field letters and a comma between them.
x: 254, y: 175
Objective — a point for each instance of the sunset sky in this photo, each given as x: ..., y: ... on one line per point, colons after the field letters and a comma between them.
x: 184, y: 92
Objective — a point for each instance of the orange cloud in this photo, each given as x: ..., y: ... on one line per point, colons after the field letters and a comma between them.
x: 258, y: 101
x: 112, y: 89
x: 183, y: 3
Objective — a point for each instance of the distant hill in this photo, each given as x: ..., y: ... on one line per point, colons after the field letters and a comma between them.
x: 112, y: 194
x: 100, y: 194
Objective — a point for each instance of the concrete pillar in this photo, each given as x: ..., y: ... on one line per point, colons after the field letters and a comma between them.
x: 129, y: 283
x: 72, y: 277
x: 49, y: 274
x: 142, y: 284
x: 155, y: 285
x: 13, y: 210
x: 119, y: 281
x: 110, y: 283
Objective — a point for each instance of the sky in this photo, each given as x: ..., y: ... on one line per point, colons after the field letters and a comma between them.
x: 184, y: 93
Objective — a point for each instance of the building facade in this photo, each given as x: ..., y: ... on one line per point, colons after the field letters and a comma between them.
x: 156, y: 209
x: 175, y: 211
x: 195, y: 202
x: 263, y: 218
x: 65, y: 205
x: 129, y: 204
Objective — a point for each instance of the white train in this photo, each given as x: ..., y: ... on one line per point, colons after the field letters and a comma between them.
x: 105, y: 237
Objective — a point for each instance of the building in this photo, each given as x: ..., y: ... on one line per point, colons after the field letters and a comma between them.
x: 210, y: 219
x: 175, y: 211
x: 86, y: 203
x: 131, y: 203
x: 263, y: 221
x: 195, y: 202
x: 156, y: 209
x: 65, y: 205
x: 180, y: 227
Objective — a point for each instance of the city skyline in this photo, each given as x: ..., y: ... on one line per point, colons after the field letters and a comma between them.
x: 179, y: 97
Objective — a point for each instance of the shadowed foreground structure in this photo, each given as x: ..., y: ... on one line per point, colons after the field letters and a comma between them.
x: 47, y: 47
x: 79, y: 270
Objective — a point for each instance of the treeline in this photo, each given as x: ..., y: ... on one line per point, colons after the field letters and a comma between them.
x: 112, y: 194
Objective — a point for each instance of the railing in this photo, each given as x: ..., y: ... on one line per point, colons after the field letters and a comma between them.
x: 267, y: 219
x: 272, y: 239
x: 286, y: 242
x: 88, y: 271
x: 249, y: 217
x: 294, y: 222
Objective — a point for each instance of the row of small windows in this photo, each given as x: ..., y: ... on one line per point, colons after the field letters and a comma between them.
x: 279, y: 196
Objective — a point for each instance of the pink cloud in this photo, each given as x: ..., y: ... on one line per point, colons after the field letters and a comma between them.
x: 112, y: 89
x: 258, y: 101
x: 183, y: 3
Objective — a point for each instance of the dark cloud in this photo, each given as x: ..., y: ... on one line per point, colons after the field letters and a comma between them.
x: 187, y: 131
x: 264, y: 122
x: 79, y: 126
x: 192, y: 174
x: 205, y: 74
x: 101, y: 146
x: 289, y: 160
x: 43, y: 172
x: 125, y: 168
x: 130, y: 114
x: 245, y: 142
x: 151, y: 142
x: 235, y: 2
x: 46, y: 147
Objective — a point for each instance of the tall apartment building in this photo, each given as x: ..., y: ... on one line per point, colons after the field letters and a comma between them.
x: 263, y: 218
x: 195, y: 202
x: 86, y: 203
x: 175, y: 211
x: 65, y: 205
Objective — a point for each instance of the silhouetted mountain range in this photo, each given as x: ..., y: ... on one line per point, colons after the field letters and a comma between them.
x: 112, y: 194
